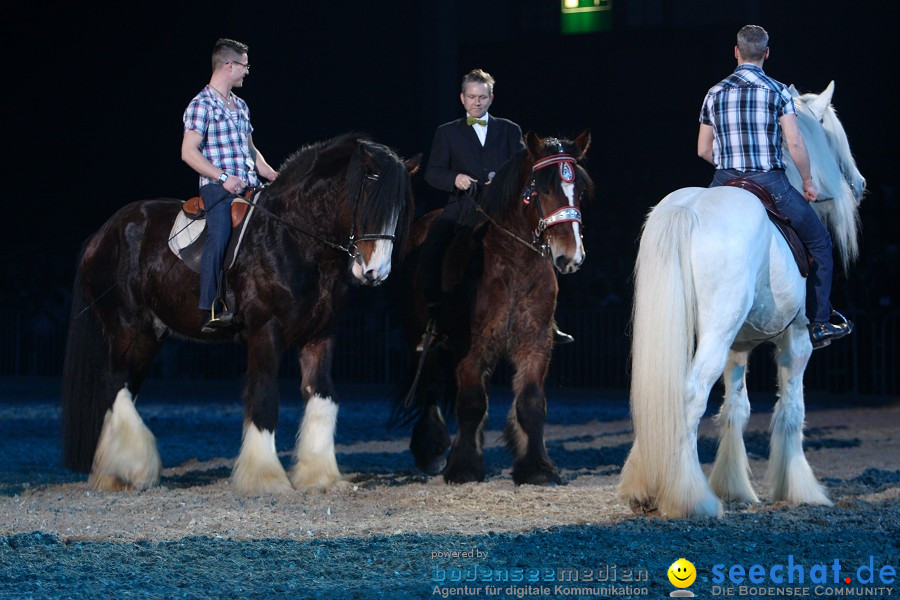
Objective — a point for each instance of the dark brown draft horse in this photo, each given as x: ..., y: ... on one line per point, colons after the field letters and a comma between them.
x: 502, y: 308
x: 337, y: 206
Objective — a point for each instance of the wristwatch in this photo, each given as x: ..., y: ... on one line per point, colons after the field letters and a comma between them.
x: 223, y: 177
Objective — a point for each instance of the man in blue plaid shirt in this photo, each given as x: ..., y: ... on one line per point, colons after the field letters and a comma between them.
x: 218, y: 145
x: 742, y: 122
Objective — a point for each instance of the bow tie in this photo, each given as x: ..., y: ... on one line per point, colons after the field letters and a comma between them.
x: 473, y: 120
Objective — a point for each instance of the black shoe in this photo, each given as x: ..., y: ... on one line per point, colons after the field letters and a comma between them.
x: 561, y: 337
x: 822, y: 334
x: 218, y: 321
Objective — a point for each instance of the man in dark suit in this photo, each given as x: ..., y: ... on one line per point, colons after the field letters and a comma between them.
x: 466, y: 152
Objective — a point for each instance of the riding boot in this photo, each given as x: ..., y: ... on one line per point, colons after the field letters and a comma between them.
x: 217, y: 320
x: 823, y: 333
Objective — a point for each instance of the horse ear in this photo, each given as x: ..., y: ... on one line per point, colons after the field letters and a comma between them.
x: 794, y: 91
x: 820, y: 104
x: 534, y: 143
x: 412, y: 163
x: 365, y: 154
x: 583, y: 142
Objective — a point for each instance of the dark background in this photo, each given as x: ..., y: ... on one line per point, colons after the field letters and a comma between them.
x: 96, y: 95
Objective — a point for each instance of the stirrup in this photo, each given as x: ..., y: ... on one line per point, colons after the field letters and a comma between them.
x: 845, y: 322
x: 822, y: 334
x: 218, y: 320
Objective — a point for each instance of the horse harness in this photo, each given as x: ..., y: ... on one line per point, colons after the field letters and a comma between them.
x: 566, y: 214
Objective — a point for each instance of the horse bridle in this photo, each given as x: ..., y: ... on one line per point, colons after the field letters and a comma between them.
x: 352, y: 239
x: 565, y: 214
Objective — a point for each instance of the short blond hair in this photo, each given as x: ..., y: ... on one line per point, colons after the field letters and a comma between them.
x: 478, y: 76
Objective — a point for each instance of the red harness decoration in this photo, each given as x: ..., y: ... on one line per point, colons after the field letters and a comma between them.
x: 566, y: 164
x: 566, y: 214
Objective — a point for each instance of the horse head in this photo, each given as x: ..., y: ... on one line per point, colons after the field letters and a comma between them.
x: 558, y: 184
x: 381, y: 205
x: 841, y: 186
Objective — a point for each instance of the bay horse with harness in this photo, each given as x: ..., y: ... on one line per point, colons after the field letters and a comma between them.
x: 502, y: 307
x: 339, y: 210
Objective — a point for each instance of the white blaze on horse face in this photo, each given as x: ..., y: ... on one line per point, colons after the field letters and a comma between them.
x: 578, y: 257
x: 376, y: 268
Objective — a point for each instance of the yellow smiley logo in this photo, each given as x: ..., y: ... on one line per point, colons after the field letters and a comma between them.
x: 682, y: 573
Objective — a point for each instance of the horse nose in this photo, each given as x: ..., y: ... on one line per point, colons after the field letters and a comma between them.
x: 373, y: 277
x: 564, y: 264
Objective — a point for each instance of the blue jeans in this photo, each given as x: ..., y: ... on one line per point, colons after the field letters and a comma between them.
x: 808, y: 226
x: 218, y: 230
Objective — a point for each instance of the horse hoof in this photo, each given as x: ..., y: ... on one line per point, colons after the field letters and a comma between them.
x: 544, y: 478
x: 434, y: 467
x: 642, y: 508
x: 460, y: 475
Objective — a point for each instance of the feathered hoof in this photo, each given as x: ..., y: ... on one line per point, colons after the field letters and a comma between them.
x: 118, y: 480
x: 260, y: 482
x: 546, y: 476
x: 434, y: 467
x: 109, y: 483
x: 643, y: 507
x: 458, y: 473
x: 311, y: 480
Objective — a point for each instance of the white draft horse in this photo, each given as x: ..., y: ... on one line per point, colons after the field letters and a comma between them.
x: 713, y: 280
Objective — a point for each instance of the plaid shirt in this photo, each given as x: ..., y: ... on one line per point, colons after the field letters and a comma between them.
x: 226, y: 134
x: 743, y: 110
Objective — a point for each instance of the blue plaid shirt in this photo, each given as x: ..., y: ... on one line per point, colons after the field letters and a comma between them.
x: 226, y: 134
x: 743, y: 110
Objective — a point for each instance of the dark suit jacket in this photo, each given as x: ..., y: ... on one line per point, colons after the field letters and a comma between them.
x: 456, y: 149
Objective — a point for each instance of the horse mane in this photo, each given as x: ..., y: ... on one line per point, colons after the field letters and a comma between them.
x: 503, y: 193
x: 830, y: 163
x: 347, y: 161
x: 314, y: 162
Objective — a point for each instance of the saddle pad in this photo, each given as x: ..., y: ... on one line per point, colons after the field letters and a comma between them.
x: 782, y: 223
x: 188, y: 233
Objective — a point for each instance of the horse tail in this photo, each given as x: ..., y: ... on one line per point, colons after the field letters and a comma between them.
x: 664, y: 317
x: 87, y: 391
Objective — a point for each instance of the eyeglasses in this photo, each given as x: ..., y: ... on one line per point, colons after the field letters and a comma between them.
x: 245, y: 65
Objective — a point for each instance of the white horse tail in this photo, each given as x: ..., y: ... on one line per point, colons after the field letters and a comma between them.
x: 664, y: 317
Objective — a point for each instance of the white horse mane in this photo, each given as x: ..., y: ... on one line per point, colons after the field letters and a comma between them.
x: 832, y: 167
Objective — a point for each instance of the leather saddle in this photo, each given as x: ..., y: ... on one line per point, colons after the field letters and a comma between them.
x: 188, y: 233
x: 782, y: 223
x: 195, y: 209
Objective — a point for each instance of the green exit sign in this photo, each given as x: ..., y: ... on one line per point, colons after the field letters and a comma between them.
x: 586, y: 16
